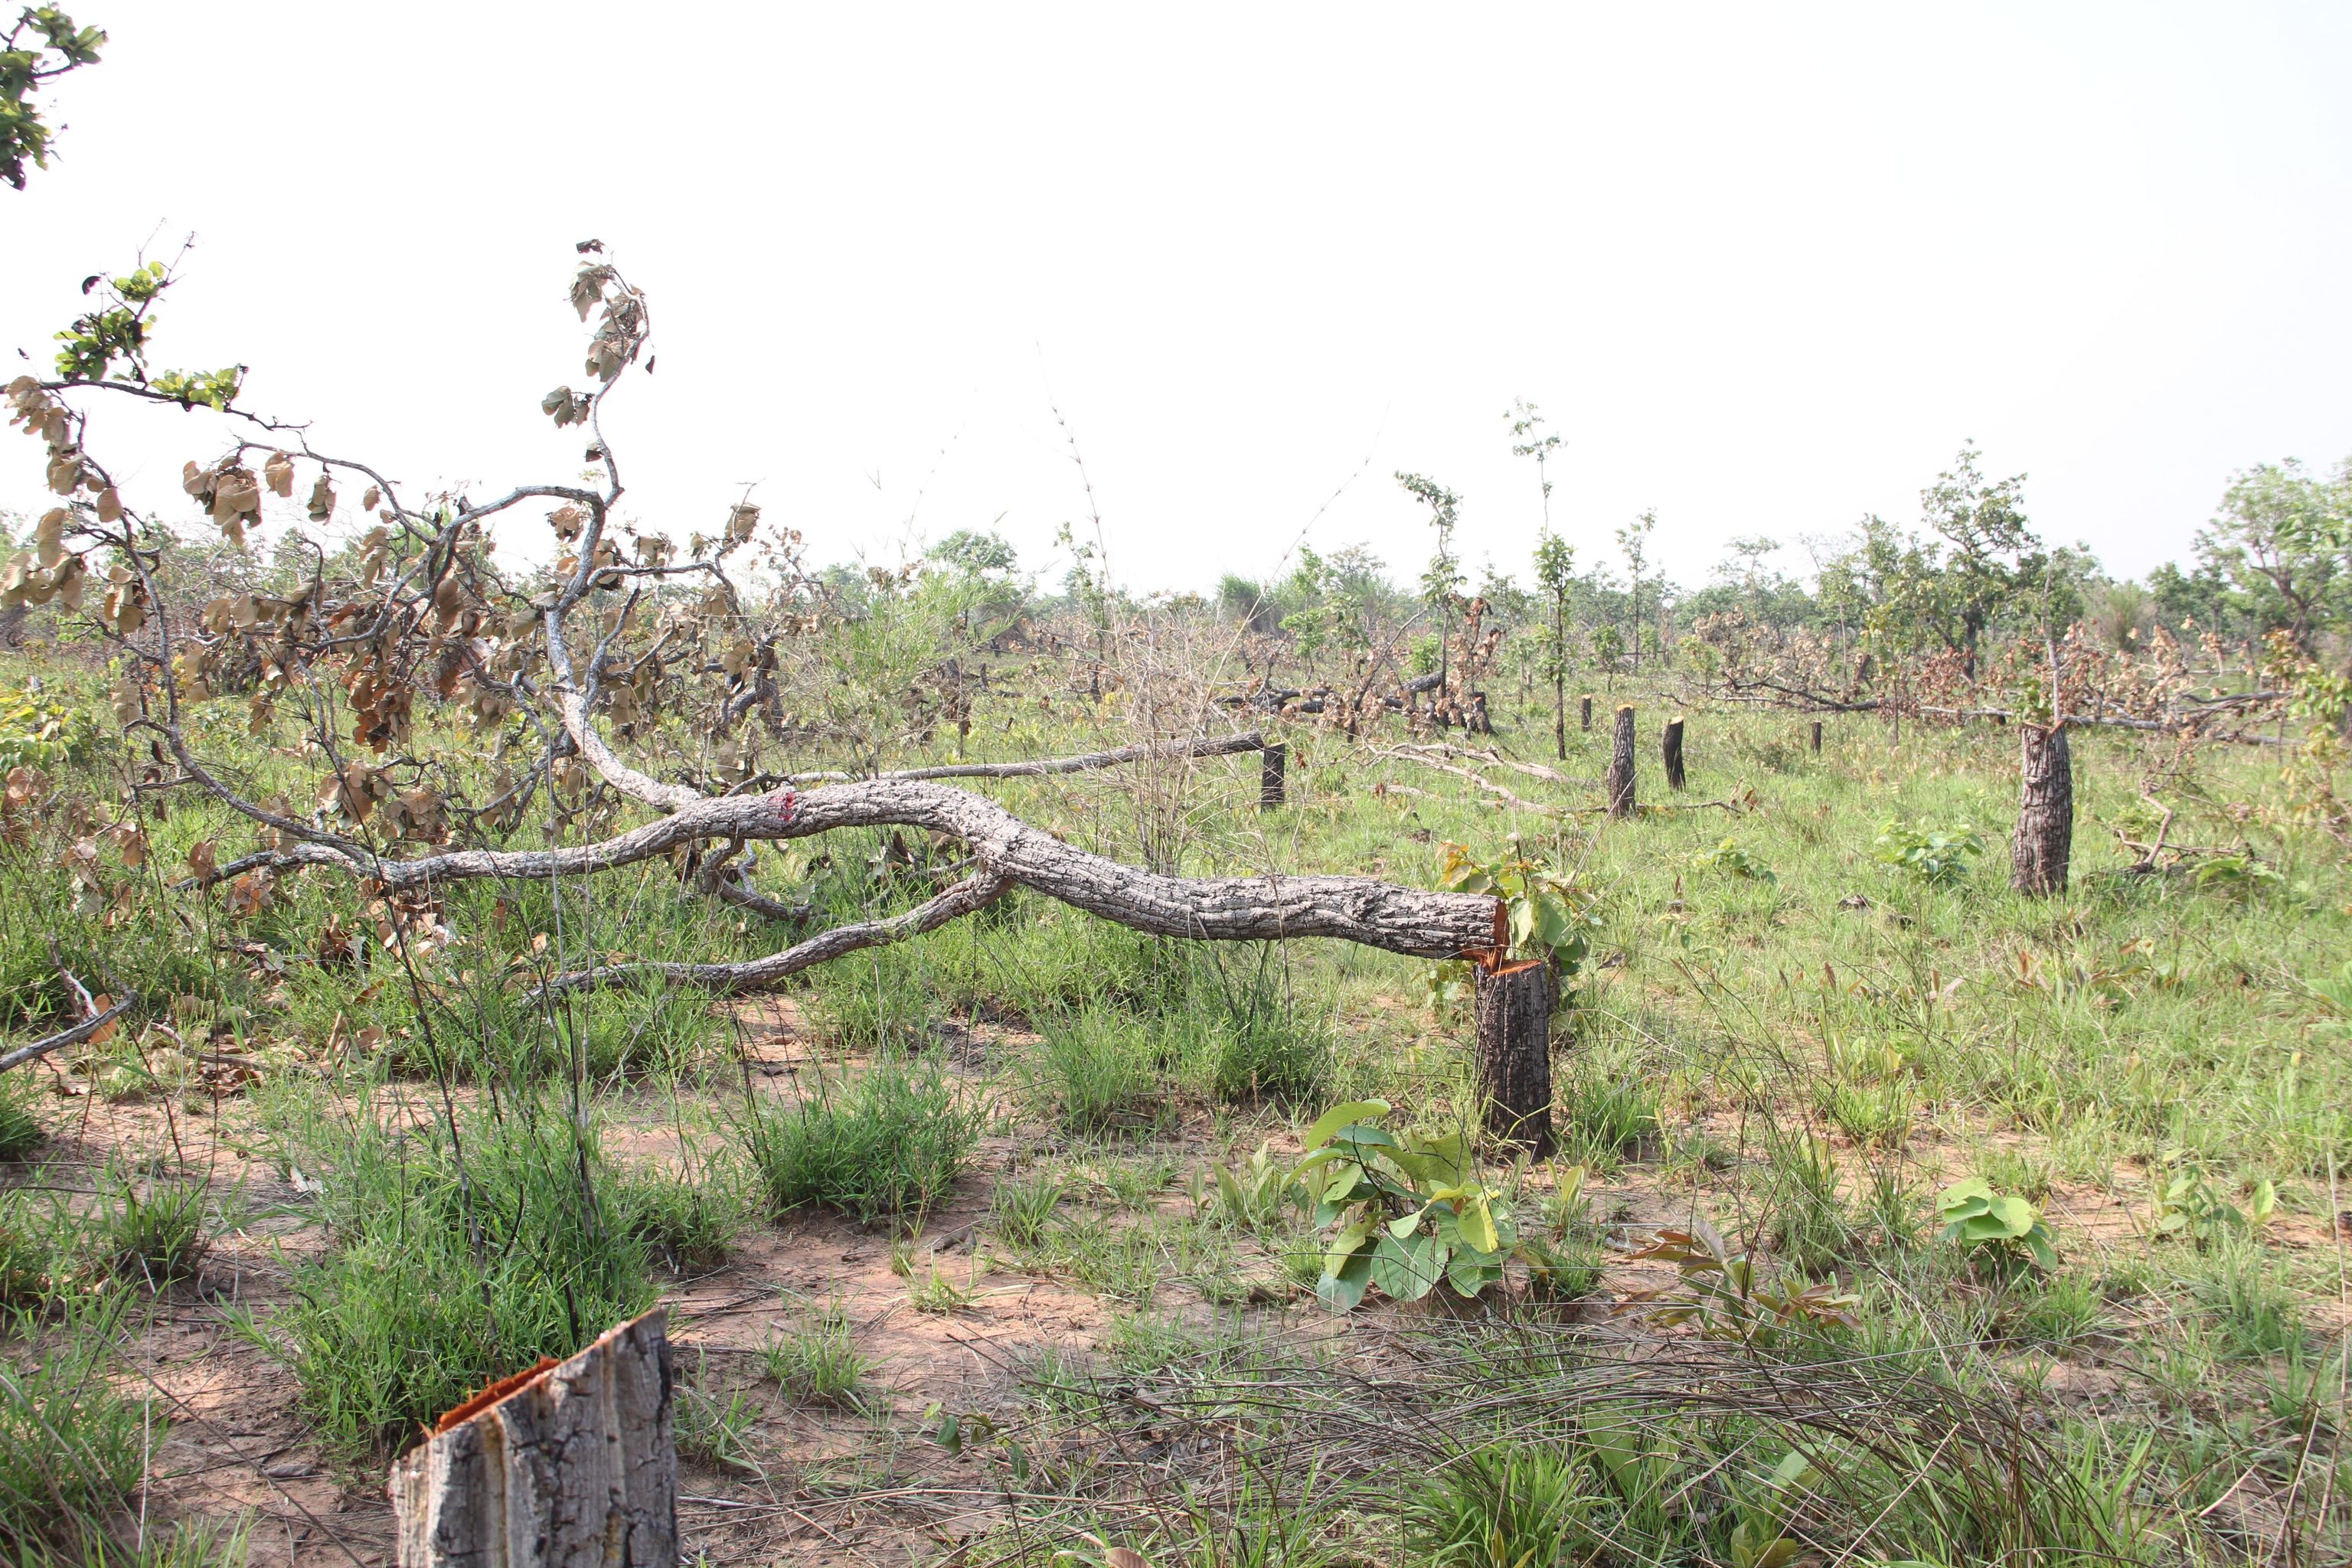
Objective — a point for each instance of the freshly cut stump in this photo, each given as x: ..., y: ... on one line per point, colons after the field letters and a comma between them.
x: 566, y: 1466
x: 1514, y: 1021
x: 1620, y: 778
x: 2045, y: 813
x: 1584, y: 709
x: 1671, y: 752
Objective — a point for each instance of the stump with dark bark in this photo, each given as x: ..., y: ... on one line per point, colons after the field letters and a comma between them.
x: 561, y: 1467
x: 1671, y: 750
x: 2045, y: 815
x: 1585, y: 709
x: 1620, y: 779
x: 1514, y: 1021
x: 1817, y: 737
x: 1270, y: 785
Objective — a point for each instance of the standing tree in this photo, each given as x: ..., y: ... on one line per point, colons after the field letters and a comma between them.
x: 1634, y: 539
x: 1994, y: 554
x: 1555, y: 562
x: 1441, y: 580
x: 1555, y: 575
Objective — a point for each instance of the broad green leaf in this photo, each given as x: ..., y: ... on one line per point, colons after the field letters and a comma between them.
x: 1341, y: 1291
x: 1406, y: 1269
x: 2015, y: 1215
x: 1339, y: 1116
x: 1961, y: 1191
x: 1477, y: 1223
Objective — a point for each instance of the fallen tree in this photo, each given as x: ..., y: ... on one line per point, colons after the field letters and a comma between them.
x: 423, y: 612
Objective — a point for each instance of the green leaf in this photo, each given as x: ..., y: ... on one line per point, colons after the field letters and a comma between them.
x: 1340, y: 1116
x: 1960, y: 1192
x: 2016, y: 1216
x: 1478, y: 1224
x: 1407, y: 1270
x: 1343, y: 1290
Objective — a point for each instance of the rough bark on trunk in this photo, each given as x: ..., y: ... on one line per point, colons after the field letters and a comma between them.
x: 1514, y: 1020
x: 1671, y: 750
x: 2045, y: 814
x: 1817, y: 737
x: 575, y: 1467
x: 1619, y: 780
x: 1270, y: 785
x: 1585, y: 720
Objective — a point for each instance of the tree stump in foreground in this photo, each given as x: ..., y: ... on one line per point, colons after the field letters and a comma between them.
x: 1620, y: 778
x: 566, y: 1466
x: 1514, y: 1019
x: 1817, y: 737
x: 1586, y: 710
x: 1672, y: 751
x: 2045, y: 813
x: 1271, y: 789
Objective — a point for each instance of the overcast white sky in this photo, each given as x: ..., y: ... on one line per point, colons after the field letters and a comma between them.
x: 1765, y: 267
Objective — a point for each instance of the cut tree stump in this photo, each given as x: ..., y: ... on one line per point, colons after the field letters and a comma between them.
x: 1620, y: 779
x: 1671, y: 750
x: 566, y: 1466
x: 1817, y: 737
x: 2045, y: 814
x: 1586, y: 710
x: 1513, y: 1024
x: 1270, y: 785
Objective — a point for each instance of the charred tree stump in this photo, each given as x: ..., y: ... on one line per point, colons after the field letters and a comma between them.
x: 1672, y: 751
x: 1270, y: 784
x: 2045, y: 813
x: 1514, y: 1020
x: 1585, y: 720
x: 1817, y: 737
x: 567, y: 1465
x: 1619, y: 780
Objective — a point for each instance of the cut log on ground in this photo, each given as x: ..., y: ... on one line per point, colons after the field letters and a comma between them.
x: 2045, y: 815
x: 570, y: 1466
x: 1671, y: 751
x: 1514, y: 1053
x: 1619, y: 781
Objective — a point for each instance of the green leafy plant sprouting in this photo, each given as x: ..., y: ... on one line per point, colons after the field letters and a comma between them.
x: 1728, y: 856
x: 2188, y: 1205
x: 1939, y: 856
x: 1995, y: 1225
x: 1409, y: 1207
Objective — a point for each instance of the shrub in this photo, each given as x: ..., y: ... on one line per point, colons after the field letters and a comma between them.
x: 889, y: 1142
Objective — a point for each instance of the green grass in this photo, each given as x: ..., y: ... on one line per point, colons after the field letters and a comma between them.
x: 1802, y: 1059
x: 883, y: 1145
